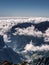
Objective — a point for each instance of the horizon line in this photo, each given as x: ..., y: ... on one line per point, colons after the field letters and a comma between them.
x: 23, y: 17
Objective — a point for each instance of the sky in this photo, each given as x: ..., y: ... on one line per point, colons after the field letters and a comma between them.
x: 24, y: 8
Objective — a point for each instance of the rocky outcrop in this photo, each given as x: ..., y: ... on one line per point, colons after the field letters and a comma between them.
x: 8, y: 63
x: 42, y: 61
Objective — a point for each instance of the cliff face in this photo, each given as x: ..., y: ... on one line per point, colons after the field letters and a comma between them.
x: 6, y: 53
x: 2, y: 44
x: 42, y: 61
x: 9, y: 55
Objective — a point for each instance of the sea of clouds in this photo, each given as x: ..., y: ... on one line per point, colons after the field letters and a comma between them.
x: 7, y: 23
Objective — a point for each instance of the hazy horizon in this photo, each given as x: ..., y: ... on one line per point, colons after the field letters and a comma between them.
x: 24, y: 8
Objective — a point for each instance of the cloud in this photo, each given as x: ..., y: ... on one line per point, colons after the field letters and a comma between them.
x: 6, y: 38
x: 40, y: 19
x: 46, y: 35
x: 6, y: 23
x: 31, y: 47
x: 28, y: 31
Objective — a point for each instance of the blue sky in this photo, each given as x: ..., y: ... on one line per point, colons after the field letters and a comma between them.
x: 24, y: 8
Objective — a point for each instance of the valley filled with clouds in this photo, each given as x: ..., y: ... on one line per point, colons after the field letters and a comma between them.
x: 26, y: 36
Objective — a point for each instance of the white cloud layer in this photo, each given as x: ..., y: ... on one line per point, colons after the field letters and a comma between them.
x: 28, y: 31
x: 31, y: 47
x: 6, y: 24
x: 46, y: 35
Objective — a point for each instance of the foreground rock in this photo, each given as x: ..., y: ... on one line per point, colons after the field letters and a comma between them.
x: 8, y: 63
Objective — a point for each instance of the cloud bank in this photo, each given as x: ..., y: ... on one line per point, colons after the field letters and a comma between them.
x: 7, y: 23
x: 28, y: 31
x: 31, y: 47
